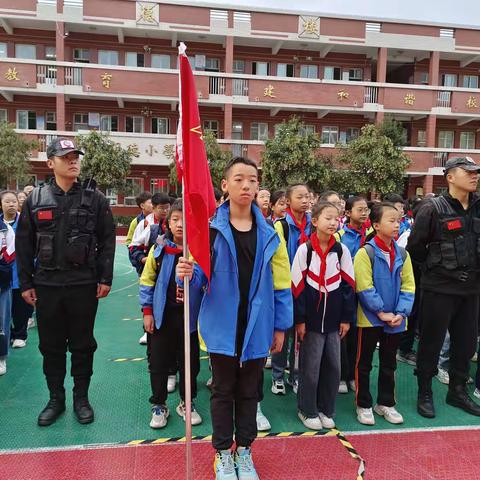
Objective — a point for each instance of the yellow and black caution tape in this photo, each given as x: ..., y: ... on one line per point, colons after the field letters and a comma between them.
x: 351, y: 450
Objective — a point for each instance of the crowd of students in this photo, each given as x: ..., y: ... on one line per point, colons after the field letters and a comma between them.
x: 307, y: 284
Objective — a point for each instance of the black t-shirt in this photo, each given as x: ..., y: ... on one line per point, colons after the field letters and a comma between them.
x: 246, y: 247
x: 174, y: 292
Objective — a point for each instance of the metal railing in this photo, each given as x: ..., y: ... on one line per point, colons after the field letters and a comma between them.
x: 444, y: 99
x: 73, y: 76
x: 216, y: 85
x: 371, y: 95
x: 240, y: 87
x: 439, y: 159
x: 46, y: 74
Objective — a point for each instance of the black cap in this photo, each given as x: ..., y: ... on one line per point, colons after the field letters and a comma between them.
x: 61, y: 146
x: 466, y: 163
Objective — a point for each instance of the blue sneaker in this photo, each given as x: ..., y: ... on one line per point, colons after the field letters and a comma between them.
x: 245, y: 467
x: 224, y: 466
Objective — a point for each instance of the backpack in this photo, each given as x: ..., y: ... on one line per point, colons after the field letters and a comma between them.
x: 286, y: 229
x: 310, y: 253
x: 371, y: 253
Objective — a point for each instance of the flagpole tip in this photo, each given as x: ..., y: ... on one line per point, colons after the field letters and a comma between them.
x: 182, y: 48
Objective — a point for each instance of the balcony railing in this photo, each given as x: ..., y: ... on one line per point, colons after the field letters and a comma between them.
x: 444, y: 99
x: 73, y: 76
x: 216, y: 85
x: 439, y: 159
x: 240, y: 87
x: 46, y: 74
x: 371, y: 95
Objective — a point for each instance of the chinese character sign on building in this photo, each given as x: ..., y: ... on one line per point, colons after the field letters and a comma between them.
x: 308, y: 27
x: 148, y: 13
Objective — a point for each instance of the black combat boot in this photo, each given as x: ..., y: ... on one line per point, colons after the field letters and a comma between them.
x: 425, y: 405
x: 81, y: 406
x: 457, y: 396
x: 55, y: 407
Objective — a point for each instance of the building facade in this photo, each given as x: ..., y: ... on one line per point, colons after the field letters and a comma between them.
x: 68, y: 66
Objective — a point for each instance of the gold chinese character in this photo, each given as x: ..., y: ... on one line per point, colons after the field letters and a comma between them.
x: 310, y: 27
x: 133, y: 150
x: 106, y: 77
x: 342, y: 95
x: 169, y: 151
x: 269, y: 91
x: 472, y: 102
x: 409, y: 99
x: 151, y: 150
x: 11, y: 74
x: 146, y: 14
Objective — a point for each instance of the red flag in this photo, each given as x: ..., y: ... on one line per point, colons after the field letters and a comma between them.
x: 192, y: 167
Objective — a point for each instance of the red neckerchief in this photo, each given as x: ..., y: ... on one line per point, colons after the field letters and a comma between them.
x: 384, y: 247
x: 301, y: 226
x: 173, y: 250
x: 323, y: 261
x: 362, y: 232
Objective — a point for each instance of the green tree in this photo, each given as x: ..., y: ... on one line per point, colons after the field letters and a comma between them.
x: 106, y: 161
x: 372, y: 163
x: 14, y: 155
x: 293, y: 156
x: 394, y: 131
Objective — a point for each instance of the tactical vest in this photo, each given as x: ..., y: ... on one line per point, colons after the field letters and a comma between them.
x: 459, y: 245
x: 65, y: 239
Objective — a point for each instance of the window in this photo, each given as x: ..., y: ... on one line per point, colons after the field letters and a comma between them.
x: 423, y: 78
x: 26, y: 120
x: 237, y: 131
x: 352, y: 133
x: 3, y: 50
x: 133, y: 186
x: 238, y: 66
x: 259, y: 131
x: 445, y: 139
x: 449, y: 80
x: 158, y: 185
x: 212, y: 65
x: 134, y: 59
x: 307, y: 130
x: 467, y: 140
x: 51, y: 121
x: 260, y: 68
x: 330, y: 135
x: 160, y: 61
x: 470, y: 81
x: 285, y: 70
x: 50, y: 53
x: 160, y: 126
x: 111, y: 196
x: 134, y: 124
x: 81, y: 55
x: 28, y: 52
x: 3, y: 116
x: 332, y: 73
x: 108, y: 57
x: 211, y: 125
x: 109, y: 123
x: 309, y: 71
x: 31, y: 180
x: 422, y: 138
x: 80, y: 121
x: 355, y: 74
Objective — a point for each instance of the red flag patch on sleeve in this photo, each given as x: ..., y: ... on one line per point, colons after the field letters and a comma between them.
x: 454, y: 225
x: 45, y: 215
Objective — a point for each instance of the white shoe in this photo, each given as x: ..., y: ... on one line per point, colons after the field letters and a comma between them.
x: 3, y: 366
x: 294, y: 385
x: 262, y: 421
x: 475, y: 357
x: 171, y: 383
x: 196, y: 419
x: 365, y: 416
x: 278, y: 387
x: 160, y: 414
x: 268, y: 363
x: 390, y: 414
x: 352, y: 386
x: 343, y: 387
x: 209, y: 383
x: 476, y: 393
x: 327, y: 422
x: 18, y: 343
x: 143, y: 339
x: 443, y: 377
x: 311, y: 423
x: 31, y: 323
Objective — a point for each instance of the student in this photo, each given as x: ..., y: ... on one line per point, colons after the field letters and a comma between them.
x: 324, y: 290
x: 144, y: 203
x: 335, y: 198
x: 294, y: 230
x: 244, y: 313
x: 278, y: 205
x: 21, y: 196
x: 353, y: 236
x: 263, y: 201
x: 218, y: 197
x: 162, y: 305
x: 405, y: 225
x: 386, y: 289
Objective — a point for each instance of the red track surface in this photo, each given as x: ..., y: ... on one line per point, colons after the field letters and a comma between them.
x: 448, y: 455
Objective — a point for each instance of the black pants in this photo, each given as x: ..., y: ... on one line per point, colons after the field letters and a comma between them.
x: 367, y: 342
x: 348, y: 352
x: 165, y: 345
x: 235, y: 394
x: 21, y: 312
x: 457, y: 314
x: 65, y: 318
x: 408, y: 337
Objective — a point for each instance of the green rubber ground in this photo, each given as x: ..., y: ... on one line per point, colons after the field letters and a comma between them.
x: 120, y: 390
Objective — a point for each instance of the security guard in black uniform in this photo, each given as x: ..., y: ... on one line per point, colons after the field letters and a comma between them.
x: 65, y: 247
x: 445, y: 241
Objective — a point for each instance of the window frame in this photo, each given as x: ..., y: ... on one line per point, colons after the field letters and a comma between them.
x: 309, y: 67
x: 17, y: 45
x: 288, y: 66
x: 167, y: 124
x: 260, y: 137
x: 471, y: 135
x: 440, y: 132
x: 333, y: 69
x: 330, y: 130
x: 110, y: 52
x: 161, y: 56
x: 28, y: 119
x: 130, y: 199
x: 135, y: 118
x: 255, y: 69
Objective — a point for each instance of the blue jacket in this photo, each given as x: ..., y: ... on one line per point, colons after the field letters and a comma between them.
x: 270, y: 299
x: 15, y: 282
x: 351, y: 238
x: 293, y: 234
x: 154, y: 285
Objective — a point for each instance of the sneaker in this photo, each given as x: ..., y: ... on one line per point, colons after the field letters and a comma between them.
x: 171, y: 383
x: 224, y: 466
x: 262, y: 421
x: 343, y: 387
x: 268, y: 363
x: 475, y: 357
x: 160, y: 414
x: 143, y: 339
x: 278, y: 387
x: 31, y: 323
x: 18, y: 343
x: 470, y: 381
x: 294, y: 385
x: 476, y: 393
x: 244, y: 462
x: 209, y: 383
x: 3, y: 366
x: 196, y: 419
x: 442, y: 376
x: 390, y: 414
x: 352, y: 385
x: 407, y: 357
x: 327, y: 422
x: 365, y: 416
x: 313, y: 423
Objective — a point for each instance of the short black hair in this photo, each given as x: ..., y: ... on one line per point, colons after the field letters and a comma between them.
x: 142, y: 198
x: 236, y: 161
x: 218, y: 194
x: 276, y: 196
x: 292, y: 187
x: 393, y: 198
x: 328, y: 193
x: 161, y: 198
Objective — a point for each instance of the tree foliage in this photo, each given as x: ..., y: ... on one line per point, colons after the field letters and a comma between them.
x: 14, y: 155
x: 105, y: 160
x: 394, y: 131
